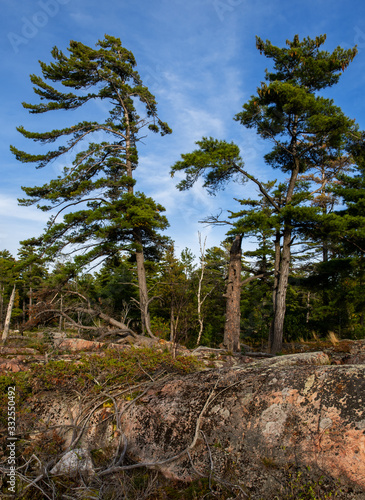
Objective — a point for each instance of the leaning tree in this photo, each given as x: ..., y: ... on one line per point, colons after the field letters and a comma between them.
x: 305, y: 129
x: 102, y: 213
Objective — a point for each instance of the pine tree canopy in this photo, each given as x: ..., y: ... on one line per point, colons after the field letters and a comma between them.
x: 99, y: 180
x: 305, y: 129
x: 302, y: 64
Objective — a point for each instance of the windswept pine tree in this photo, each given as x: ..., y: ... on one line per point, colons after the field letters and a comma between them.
x: 305, y: 129
x: 103, y: 215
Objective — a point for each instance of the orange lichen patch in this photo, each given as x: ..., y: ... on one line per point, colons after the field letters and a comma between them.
x: 343, y: 453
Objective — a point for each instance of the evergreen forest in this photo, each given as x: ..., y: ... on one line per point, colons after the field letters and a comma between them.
x: 105, y: 267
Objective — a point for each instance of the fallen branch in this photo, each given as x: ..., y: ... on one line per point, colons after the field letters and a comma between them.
x: 114, y: 469
x: 93, y: 312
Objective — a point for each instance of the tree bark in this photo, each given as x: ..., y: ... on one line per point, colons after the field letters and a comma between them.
x: 276, y: 281
x: 279, y: 294
x: 276, y: 333
x: 141, y: 271
x: 8, y: 316
x: 233, y: 294
x: 143, y: 294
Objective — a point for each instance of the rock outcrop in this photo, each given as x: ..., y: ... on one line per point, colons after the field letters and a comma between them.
x: 271, y: 413
x: 244, y: 423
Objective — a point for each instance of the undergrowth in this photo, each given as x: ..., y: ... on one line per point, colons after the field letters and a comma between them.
x: 92, y: 372
x: 307, y: 484
x: 90, y: 375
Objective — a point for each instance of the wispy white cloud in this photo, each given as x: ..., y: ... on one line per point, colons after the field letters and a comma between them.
x: 9, y: 208
x: 82, y: 18
x: 18, y: 223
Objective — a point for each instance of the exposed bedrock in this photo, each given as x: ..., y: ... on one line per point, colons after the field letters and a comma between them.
x: 242, y: 423
x: 272, y: 412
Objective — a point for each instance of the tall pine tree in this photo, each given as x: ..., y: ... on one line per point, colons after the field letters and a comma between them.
x: 306, y: 130
x: 102, y: 213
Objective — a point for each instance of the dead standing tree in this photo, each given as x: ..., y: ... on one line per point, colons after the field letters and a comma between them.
x: 201, y: 299
x: 8, y: 316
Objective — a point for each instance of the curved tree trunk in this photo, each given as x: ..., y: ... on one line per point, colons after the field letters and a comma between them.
x: 141, y: 271
x: 233, y: 294
x: 279, y: 294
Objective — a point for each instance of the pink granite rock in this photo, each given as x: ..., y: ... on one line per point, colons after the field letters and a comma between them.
x: 66, y: 344
x: 267, y: 412
x: 11, y: 365
x: 245, y: 423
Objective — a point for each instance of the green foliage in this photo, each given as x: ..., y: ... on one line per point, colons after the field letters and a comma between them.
x: 27, y: 273
x: 8, y: 275
x: 308, y: 132
x: 314, y: 143
x: 216, y: 161
x: 256, y: 311
x: 110, y: 367
x: 112, y: 217
x: 113, y: 288
x: 160, y: 326
x: 8, y: 271
x: 174, y: 287
x: 305, y: 485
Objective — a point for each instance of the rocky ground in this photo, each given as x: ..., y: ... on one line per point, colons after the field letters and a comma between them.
x: 245, y: 426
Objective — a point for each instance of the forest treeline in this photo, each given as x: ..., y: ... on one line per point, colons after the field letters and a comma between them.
x: 304, y: 278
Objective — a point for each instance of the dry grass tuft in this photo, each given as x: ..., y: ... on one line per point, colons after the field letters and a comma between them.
x: 332, y: 337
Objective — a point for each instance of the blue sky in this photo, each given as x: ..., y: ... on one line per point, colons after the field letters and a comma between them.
x: 199, y: 59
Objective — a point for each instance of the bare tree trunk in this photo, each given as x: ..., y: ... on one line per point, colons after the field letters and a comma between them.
x: 1, y: 304
x: 233, y: 294
x: 141, y: 271
x: 172, y: 324
x: 8, y: 316
x: 200, y: 301
x: 276, y: 335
